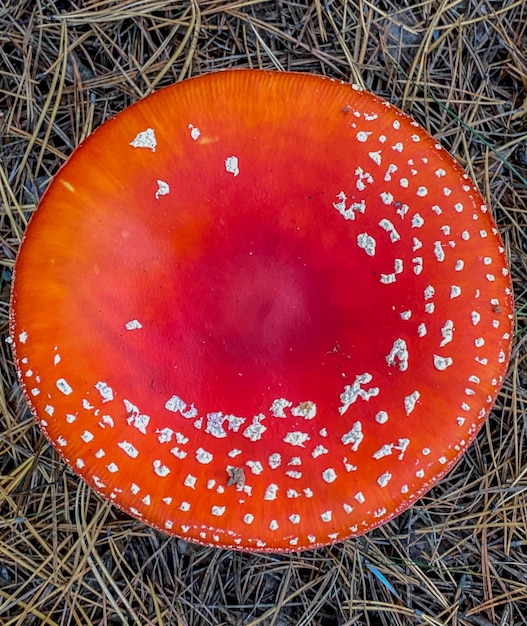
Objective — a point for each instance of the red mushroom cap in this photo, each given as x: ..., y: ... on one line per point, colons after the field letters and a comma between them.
x: 261, y: 310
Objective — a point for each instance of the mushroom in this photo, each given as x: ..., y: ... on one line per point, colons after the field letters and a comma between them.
x: 261, y: 311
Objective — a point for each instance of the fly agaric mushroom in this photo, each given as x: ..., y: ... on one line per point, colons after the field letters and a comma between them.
x: 261, y: 311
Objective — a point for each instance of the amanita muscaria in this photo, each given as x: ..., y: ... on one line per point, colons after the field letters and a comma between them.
x: 261, y: 310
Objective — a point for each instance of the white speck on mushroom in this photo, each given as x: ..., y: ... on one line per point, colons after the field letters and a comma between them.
x: 441, y: 363
x: 248, y: 518
x: 375, y: 156
x: 354, y: 207
x: 215, y: 425
x: 490, y: 277
x: 422, y: 192
x: 447, y: 333
x: 273, y: 525
x: 384, y: 479
x: 218, y: 510
x: 366, y: 243
x: 381, y: 417
x: 296, y: 438
x: 136, y: 418
x: 133, y: 325
x: 386, y: 197
x: 308, y: 493
x: 255, y: 431
x: 275, y: 460
x: 388, y: 279
x: 479, y: 342
x: 22, y: 337
x: 392, y: 168
x: 403, y: 445
x: 80, y: 463
x: 458, y: 207
x: 406, y: 315
x: 417, y: 221
x: 460, y: 264
x: 49, y: 410
x: 362, y: 136
x: 112, y: 468
x: 319, y: 451
x: 105, y: 391
x: 100, y: 453
x: 329, y: 475
x: 194, y: 132
x: 476, y: 317
x: 270, y: 492
x: 204, y: 457
x: 399, y: 351
x: 402, y: 210
x: 163, y: 189
x: 64, y: 442
x: 160, y: 469
x: 354, y: 436
x: 176, y: 404
x: 359, y: 496
x: 420, y: 473
x: 56, y: 359
x: 86, y: 405
x: 231, y: 165
x: 439, y: 252
x: 418, y: 264
x: 385, y: 450
x: 326, y: 517
x: 417, y: 243
x: 190, y: 481
x: 278, y: 406
x: 255, y: 466
x: 165, y: 435
x: 294, y: 518
x: 64, y: 387
x: 184, y: 506
x: 446, y: 191
x: 352, y: 392
x: 135, y: 489
x: 294, y: 474
x: 145, y: 139
x: 292, y: 493
x: 71, y: 418
x: 87, y: 436
x: 410, y: 401
x: 386, y: 225
x: 128, y: 448
x: 429, y: 292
